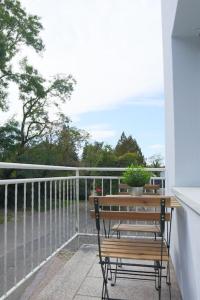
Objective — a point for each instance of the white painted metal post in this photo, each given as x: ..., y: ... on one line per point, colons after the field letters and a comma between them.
x: 45, y: 219
x: 77, y: 201
x: 32, y: 224
x: 39, y: 233
x: 24, y: 230
x: 63, y: 217
x: 5, y: 237
x: 15, y: 238
x: 50, y: 204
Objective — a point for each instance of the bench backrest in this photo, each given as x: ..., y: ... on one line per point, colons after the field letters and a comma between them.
x: 101, y: 211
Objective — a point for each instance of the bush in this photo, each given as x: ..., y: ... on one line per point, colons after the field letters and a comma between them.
x: 136, y: 176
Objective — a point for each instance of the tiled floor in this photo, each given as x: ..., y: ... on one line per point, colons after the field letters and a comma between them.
x: 81, y: 279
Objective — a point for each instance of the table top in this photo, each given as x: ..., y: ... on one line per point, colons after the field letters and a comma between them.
x: 173, y: 203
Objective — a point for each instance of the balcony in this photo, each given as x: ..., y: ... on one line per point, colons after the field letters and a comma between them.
x: 48, y: 217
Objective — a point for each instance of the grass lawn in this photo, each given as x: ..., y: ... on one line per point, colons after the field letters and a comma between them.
x: 10, y: 216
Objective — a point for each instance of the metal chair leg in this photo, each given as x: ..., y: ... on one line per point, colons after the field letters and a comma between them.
x: 104, y: 294
x: 168, y: 279
x: 115, y: 276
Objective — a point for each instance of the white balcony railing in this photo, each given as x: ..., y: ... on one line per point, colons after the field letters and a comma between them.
x: 40, y: 216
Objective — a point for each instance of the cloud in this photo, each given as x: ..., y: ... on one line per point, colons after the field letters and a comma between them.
x: 113, y: 49
x: 147, y: 102
x: 99, y: 135
x: 99, y: 132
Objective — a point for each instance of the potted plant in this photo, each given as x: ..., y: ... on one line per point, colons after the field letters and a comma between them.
x: 136, y: 178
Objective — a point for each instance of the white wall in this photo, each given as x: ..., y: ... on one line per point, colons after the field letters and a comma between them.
x: 185, y: 252
x: 182, y: 97
x: 168, y: 17
x: 182, y: 91
x: 186, y: 80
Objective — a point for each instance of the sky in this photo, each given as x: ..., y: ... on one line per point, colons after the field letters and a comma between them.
x: 113, y: 48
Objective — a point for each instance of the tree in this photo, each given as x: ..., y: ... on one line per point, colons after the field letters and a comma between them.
x: 156, y: 161
x: 129, y: 145
x: 37, y: 96
x: 9, y: 140
x: 98, y: 155
x: 127, y: 159
x: 17, y: 28
x: 69, y: 140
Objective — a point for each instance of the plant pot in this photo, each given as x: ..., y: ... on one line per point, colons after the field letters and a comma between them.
x: 135, y: 191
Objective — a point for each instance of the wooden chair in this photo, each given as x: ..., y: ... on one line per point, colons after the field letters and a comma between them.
x: 121, y: 227
x: 123, y: 189
x: 151, y: 188
x: 142, y: 253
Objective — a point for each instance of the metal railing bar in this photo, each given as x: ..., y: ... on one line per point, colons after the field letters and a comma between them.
x: 39, y: 205
x: 77, y: 182
x: 55, y: 213
x: 86, y: 206
x: 63, y: 210
x: 5, y: 236
x: 74, y: 204
x: 50, y: 208
x: 71, y: 211
x: 24, y: 232
x: 67, y: 208
x: 32, y: 223
x: 4, y: 165
x: 45, y: 219
x: 27, y: 180
x: 59, y: 213
x: 15, y: 237
x: 14, y: 181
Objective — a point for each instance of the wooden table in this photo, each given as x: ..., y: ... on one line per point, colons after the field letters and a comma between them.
x: 171, y: 201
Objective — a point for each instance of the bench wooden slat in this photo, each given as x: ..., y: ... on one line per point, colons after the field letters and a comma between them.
x: 134, y: 242
x: 128, y: 200
x: 135, y: 247
x: 129, y: 215
x: 139, y: 249
x: 136, y: 228
x: 135, y: 256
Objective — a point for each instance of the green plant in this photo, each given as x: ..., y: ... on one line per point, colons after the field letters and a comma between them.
x: 136, y: 176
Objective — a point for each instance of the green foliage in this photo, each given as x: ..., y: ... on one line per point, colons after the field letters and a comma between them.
x: 156, y: 161
x: 98, y: 155
x: 17, y: 28
x: 136, y: 176
x: 9, y: 140
x: 129, y: 145
x: 128, y: 159
x: 37, y: 96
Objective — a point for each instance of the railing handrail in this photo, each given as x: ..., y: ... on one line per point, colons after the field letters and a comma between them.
x: 16, y: 166
x: 4, y: 165
x: 49, y: 179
